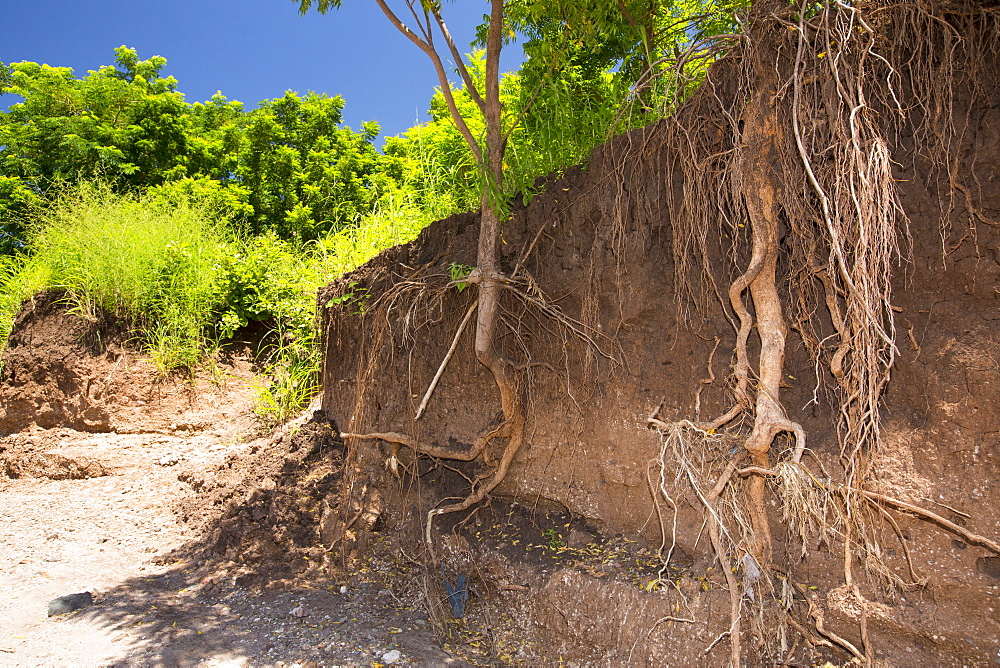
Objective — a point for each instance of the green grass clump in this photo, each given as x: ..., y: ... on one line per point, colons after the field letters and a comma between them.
x: 396, y: 219
x: 291, y: 352
x: 152, y: 262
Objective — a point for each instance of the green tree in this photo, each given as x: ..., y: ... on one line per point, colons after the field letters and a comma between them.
x: 429, y: 33
x: 124, y: 123
x: 656, y: 50
x: 592, y: 69
x: 563, y: 30
x: 305, y: 173
x: 289, y: 166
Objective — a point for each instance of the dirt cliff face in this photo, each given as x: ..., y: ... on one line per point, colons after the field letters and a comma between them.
x: 64, y: 370
x: 45, y: 374
x: 613, y: 344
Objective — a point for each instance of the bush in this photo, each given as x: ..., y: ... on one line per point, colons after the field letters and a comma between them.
x: 153, y: 263
x: 173, y: 270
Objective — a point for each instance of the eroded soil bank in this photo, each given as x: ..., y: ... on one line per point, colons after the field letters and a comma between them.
x: 602, y: 341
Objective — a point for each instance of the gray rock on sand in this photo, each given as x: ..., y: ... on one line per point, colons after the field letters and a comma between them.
x: 70, y: 603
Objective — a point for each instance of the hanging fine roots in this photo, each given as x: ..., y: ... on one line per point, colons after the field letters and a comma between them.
x: 509, y: 432
x: 783, y: 154
x: 801, y: 183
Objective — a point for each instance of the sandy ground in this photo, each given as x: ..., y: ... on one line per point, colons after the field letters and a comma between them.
x: 66, y: 536
x: 112, y: 535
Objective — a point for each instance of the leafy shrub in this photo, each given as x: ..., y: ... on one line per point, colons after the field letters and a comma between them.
x: 268, y: 280
x: 151, y: 262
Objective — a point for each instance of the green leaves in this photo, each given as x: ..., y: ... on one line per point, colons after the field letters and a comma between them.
x: 459, y: 274
x: 306, y: 174
x: 289, y: 166
x: 267, y: 280
x: 322, y: 6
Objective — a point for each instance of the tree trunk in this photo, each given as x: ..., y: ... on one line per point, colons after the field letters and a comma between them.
x: 488, y: 257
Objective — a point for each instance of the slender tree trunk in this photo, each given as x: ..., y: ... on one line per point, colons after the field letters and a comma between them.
x: 488, y: 258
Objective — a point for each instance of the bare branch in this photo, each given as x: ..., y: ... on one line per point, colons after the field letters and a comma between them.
x: 460, y: 63
x: 435, y: 57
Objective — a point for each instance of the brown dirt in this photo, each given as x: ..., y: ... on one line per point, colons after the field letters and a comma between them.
x: 136, y: 490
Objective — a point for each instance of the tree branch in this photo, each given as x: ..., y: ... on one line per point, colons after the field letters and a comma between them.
x: 449, y: 97
x: 460, y: 64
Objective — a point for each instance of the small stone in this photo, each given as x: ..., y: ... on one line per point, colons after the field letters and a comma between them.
x: 392, y: 656
x: 989, y: 566
x: 70, y: 603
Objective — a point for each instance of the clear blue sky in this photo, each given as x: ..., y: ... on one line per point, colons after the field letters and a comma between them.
x: 251, y: 50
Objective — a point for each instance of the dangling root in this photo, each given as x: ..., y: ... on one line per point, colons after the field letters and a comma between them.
x: 447, y: 358
x: 673, y: 434
x: 735, y: 625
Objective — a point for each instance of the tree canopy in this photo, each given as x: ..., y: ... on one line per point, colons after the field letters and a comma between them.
x: 289, y: 166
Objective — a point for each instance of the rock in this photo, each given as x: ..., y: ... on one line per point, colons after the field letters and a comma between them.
x: 989, y: 566
x: 70, y: 603
x: 392, y: 656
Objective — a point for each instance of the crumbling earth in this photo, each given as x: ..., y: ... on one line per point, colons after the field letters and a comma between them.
x: 98, y: 508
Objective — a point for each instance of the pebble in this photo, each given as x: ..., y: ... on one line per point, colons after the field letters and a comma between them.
x: 392, y: 656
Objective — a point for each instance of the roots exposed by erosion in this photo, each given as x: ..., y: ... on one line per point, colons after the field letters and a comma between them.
x: 804, y: 189
x: 760, y: 183
x: 784, y: 156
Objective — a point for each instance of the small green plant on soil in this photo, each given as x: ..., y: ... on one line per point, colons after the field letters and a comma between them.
x: 294, y: 380
x: 459, y: 273
x: 554, y: 540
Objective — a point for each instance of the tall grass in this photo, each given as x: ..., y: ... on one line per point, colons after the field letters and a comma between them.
x: 151, y: 262
x: 396, y: 219
x: 280, y: 279
x: 174, y: 272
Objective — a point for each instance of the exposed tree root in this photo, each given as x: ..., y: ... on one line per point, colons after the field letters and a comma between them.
x: 882, y: 499
x: 968, y: 536
x: 447, y: 357
x: 735, y: 597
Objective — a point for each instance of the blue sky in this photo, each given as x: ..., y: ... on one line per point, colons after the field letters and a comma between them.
x: 249, y: 49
